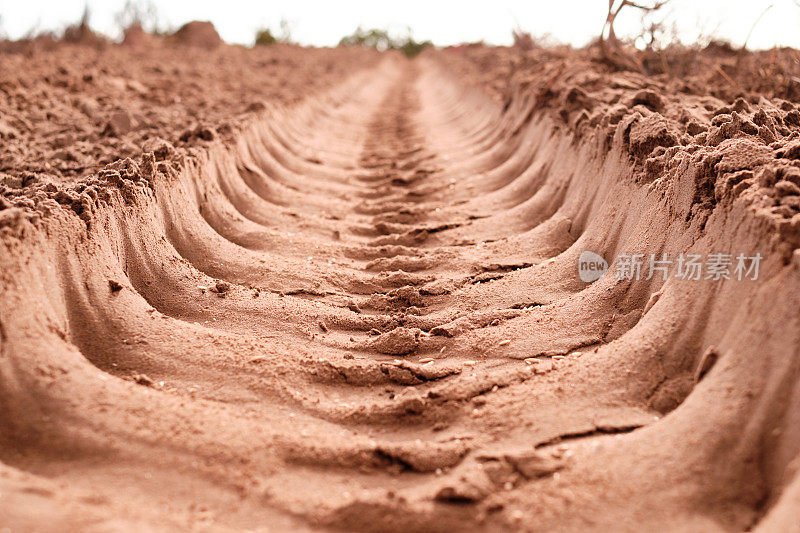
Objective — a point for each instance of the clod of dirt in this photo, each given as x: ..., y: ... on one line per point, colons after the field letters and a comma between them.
x: 739, y: 154
x: 120, y: 123
x: 198, y: 132
x: 473, y: 485
x: 648, y: 133
x: 786, y: 188
x: 399, y: 341
x: 422, y: 456
x: 221, y: 288
x: 160, y: 148
x: 438, y: 288
x: 198, y: 33
x: 256, y: 106
x: 790, y: 150
x: 143, y: 379
x: 533, y: 464
x: 451, y: 329
x: 88, y: 106
x: 647, y: 98
x: 530, y: 463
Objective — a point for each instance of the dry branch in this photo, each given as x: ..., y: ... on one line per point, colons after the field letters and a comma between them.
x: 610, y: 47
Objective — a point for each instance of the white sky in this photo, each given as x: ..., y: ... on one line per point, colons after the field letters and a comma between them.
x: 442, y: 21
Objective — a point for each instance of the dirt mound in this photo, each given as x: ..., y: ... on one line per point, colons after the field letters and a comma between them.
x: 84, y: 35
x: 488, y: 289
x: 108, y: 107
x: 136, y: 36
x: 201, y: 34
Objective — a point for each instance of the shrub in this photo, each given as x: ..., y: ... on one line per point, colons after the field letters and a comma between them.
x: 266, y: 37
x: 381, y: 40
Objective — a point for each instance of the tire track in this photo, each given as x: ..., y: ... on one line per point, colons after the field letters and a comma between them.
x: 364, y: 314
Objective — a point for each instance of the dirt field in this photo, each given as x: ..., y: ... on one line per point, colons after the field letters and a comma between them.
x: 288, y: 289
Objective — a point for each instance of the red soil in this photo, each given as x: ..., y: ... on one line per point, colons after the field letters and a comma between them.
x: 302, y: 289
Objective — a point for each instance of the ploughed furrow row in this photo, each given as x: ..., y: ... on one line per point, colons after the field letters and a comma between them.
x: 364, y: 312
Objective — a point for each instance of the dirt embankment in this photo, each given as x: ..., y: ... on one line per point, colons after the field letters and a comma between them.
x: 303, y: 289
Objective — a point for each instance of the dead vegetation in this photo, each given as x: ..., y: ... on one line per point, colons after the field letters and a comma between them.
x: 382, y: 39
x: 731, y: 71
x: 267, y: 36
x: 522, y: 39
x: 613, y: 51
x: 654, y: 50
x: 141, y: 14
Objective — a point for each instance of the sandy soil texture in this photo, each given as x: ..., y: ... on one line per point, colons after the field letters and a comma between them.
x: 292, y: 289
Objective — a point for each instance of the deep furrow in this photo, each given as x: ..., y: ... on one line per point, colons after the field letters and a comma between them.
x: 362, y: 311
